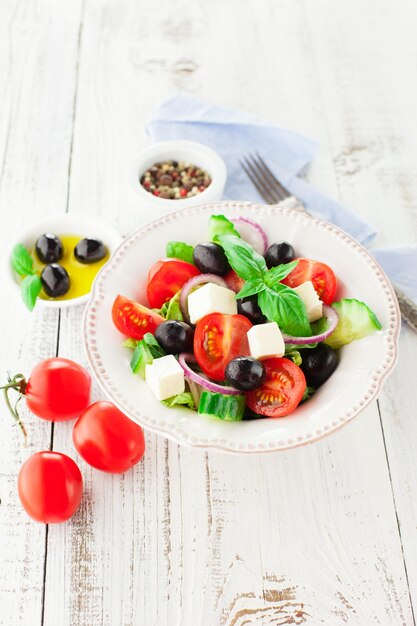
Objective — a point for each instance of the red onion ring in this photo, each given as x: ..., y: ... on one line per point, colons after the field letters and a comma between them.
x: 200, y: 380
x: 332, y: 320
x: 194, y: 282
x: 252, y: 233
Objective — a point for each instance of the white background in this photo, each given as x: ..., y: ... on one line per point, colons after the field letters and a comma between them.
x: 321, y: 535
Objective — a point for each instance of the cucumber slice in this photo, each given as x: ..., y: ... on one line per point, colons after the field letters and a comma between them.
x: 228, y: 408
x: 140, y: 357
x: 356, y: 320
x: 220, y: 225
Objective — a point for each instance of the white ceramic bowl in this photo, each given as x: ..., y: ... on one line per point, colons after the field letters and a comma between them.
x: 363, y: 366
x: 65, y: 223
x: 190, y: 151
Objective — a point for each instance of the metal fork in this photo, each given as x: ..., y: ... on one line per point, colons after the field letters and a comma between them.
x: 273, y: 192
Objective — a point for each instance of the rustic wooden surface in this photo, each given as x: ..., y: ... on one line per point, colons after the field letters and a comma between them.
x: 326, y: 534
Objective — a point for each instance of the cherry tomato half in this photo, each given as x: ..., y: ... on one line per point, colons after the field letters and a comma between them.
x: 58, y: 390
x: 282, y: 390
x: 218, y: 339
x: 50, y: 487
x: 134, y: 319
x: 234, y: 281
x: 107, y: 439
x: 166, y: 277
x: 320, y: 274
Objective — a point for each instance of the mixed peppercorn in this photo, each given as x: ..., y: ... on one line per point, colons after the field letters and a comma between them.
x: 175, y: 180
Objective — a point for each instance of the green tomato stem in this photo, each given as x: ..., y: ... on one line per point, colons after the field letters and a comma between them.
x: 18, y: 383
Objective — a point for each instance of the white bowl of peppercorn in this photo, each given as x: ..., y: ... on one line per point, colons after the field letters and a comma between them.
x: 173, y: 175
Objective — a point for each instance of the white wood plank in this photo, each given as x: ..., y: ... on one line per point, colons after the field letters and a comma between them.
x: 188, y: 538
x: 37, y: 64
x: 369, y: 104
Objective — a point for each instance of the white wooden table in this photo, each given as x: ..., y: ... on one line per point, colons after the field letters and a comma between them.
x: 321, y: 535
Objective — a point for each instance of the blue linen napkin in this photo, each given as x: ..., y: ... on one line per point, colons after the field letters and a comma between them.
x: 234, y: 134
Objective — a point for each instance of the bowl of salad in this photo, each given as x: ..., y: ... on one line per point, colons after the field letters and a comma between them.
x: 241, y: 327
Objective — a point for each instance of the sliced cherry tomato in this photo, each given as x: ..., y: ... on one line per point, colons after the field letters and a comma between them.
x: 234, y: 281
x: 50, y: 487
x: 218, y: 339
x: 166, y: 277
x: 282, y: 390
x: 107, y: 439
x: 57, y: 390
x: 320, y: 274
x: 134, y: 319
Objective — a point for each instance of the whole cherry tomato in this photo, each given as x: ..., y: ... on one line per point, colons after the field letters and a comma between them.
x: 57, y: 390
x: 50, y: 487
x: 107, y: 439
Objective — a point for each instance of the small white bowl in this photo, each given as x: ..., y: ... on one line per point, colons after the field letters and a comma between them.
x: 189, y: 151
x: 66, y: 223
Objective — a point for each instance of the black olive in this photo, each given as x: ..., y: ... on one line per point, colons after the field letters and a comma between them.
x: 277, y: 253
x: 175, y: 337
x: 250, y: 308
x: 49, y: 248
x: 89, y: 250
x: 318, y: 364
x: 55, y: 280
x: 245, y: 373
x: 211, y: 259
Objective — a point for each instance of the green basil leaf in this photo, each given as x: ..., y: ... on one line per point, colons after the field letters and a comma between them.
x: 171, y: 310
x: 220, y: 225
x: 276, y: 274
x: 22, y: 262
x: 246, y: 262
x: 30, y: 288
x: 251, y: 287
x: 285, y: 307
x: 180, y: 250
x: 184, y: 399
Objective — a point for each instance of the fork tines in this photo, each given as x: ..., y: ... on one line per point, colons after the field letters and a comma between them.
x: 264, y: 180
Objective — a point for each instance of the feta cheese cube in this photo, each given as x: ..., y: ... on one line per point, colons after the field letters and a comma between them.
x: 311, y: 300
x: 265, y: 340
x: 211, y: 299
x: 165, y: 377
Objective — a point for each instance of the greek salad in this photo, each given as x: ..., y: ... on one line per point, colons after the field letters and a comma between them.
x: 235, y: 328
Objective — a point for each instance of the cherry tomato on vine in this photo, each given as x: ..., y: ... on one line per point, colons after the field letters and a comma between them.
x: 50, y: 487
x: 57, y: 390
x: 107, y: 439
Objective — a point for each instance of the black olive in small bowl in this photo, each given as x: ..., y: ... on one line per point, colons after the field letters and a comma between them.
x: 49, y: 248
x: 55, y: 280
x: 89, y: 250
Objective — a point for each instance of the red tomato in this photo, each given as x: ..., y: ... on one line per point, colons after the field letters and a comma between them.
x: 167, y: 277
x: 50, y: 487
x: 107, y: 439
x: 218, y: 339
x: 320, y: 274
x: 234, y: 282
x: 58, y: 390
x: 282, y: 390
x: 134, y: 319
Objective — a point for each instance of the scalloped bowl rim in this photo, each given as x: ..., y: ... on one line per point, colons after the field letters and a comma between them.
x: 182, y: 437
